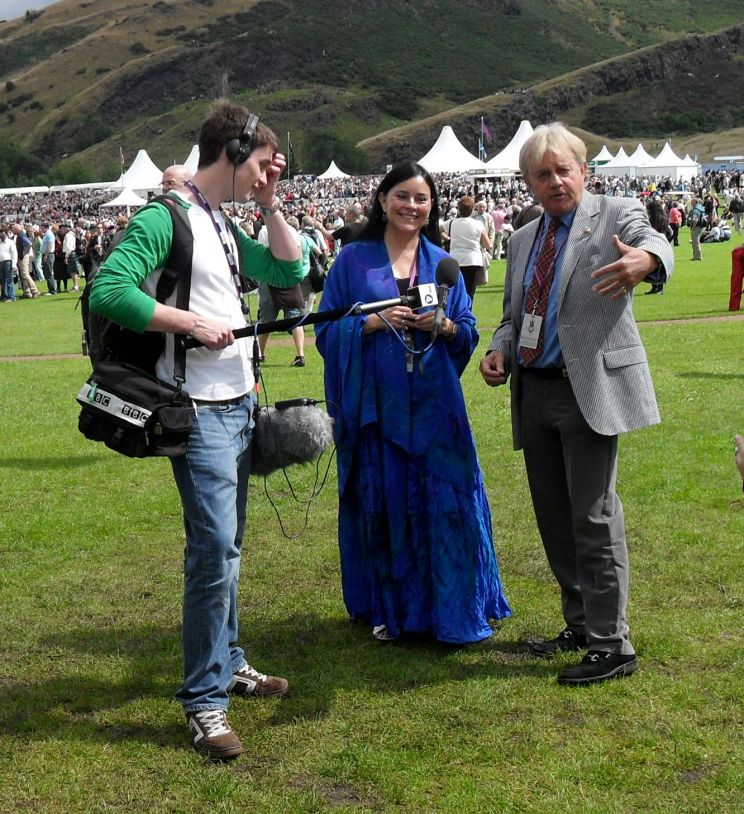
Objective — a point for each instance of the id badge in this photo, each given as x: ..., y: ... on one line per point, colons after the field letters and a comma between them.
x: 530, y: 334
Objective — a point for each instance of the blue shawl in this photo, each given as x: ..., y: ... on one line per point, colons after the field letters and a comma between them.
x: 366, y: 382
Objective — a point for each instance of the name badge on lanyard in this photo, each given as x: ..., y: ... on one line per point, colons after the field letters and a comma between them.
x: 530, y: 334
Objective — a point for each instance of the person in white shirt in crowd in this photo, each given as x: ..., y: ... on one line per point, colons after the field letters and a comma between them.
x: 47, y: 257
x: 69, y: 250
x: 468, y: 237
x: 8, y: 262
x: 482, y: 214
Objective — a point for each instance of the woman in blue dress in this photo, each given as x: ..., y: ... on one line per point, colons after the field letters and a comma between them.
x: 414, y: 527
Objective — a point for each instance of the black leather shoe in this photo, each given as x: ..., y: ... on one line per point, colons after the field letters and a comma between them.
x: 599, y: 666
x: 565, y: 642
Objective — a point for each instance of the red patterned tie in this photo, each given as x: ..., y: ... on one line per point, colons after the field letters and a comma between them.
x: 537, y: 295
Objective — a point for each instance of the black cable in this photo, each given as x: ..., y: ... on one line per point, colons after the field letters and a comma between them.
x: 315, y: 491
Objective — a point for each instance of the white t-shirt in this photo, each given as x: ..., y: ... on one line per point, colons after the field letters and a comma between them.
x: 210, y: 375
x: 465, y: 245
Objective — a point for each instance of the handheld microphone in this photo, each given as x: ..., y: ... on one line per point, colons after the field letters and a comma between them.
x: 448, y: 270
x: 420, y: 296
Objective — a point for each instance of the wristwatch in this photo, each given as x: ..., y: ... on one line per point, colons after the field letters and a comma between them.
x: 271, y: 209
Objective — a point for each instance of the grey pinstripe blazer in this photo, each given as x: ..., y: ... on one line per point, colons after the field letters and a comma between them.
x: 602, y: 349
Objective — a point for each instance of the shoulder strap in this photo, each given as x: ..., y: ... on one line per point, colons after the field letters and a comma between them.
x: 177, y: 269
x: 245, y: 285
x: 181, y: 251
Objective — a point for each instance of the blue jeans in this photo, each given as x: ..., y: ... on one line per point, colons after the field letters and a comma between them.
x: 6, y: 270
x: 212, y: 479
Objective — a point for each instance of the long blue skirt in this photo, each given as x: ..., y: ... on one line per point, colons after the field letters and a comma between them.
x: 417, y: 552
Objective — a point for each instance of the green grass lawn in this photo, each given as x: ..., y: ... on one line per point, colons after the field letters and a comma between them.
x: 90, y: 591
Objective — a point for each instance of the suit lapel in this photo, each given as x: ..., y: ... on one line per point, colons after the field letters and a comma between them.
x: 582, y: 229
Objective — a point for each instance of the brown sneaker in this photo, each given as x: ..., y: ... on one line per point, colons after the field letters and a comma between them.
x: 213, y: 734
x: 248, y: 681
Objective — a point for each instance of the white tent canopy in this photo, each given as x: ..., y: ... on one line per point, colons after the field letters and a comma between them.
x: 602, y: 157
x: 619, y: 165
x: 22, y: 190
x: 668, y: 163
x: 640, y: 158
x: 667, y: 157
x: 143, y: 174
x: 93, y: 185
x: 508, y: 159
x: 448, y: 155
x: 192, y: 162
x: 126, y: 197
x: 333, y: 172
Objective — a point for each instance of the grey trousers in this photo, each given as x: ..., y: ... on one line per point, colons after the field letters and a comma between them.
x: 571, y: 472
x: 695, y: 232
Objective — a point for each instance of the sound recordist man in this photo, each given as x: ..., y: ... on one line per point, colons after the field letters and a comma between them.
x: 237, y: 160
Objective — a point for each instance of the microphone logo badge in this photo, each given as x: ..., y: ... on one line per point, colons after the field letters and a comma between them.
x: 428, y: 294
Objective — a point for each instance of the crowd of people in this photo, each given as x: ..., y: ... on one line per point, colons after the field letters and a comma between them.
x: 712, y: 205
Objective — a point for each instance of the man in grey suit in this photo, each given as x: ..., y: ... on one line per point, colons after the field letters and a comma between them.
x: 579, y: 377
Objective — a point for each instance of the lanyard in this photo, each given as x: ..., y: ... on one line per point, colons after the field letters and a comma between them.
x: 227, y: 246
x: 414, y: 270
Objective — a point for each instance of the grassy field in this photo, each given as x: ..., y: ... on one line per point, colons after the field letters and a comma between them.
x: 90, y: 590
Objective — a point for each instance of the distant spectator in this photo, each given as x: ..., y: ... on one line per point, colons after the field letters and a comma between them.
x: 658, y: 219
x: 498, y: 215
x: 675, y: 221
x: 8, y: 262
x: 175, y: 178
x: 468, y: 237
x: 72, y: 262
x: 698, y: 222
x: 24, y: 249
x: 48, y: 243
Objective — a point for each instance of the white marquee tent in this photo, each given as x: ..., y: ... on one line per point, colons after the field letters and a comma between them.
x: 619, y: 165
x: 333, y: 172
x: 507, y: 161
x: 448, y: 155
x: 143, y: 174
x: 127, y: 197
x: 668, y: 163
x: 602, y: 157
x: 192, y: 162
x: 640, y: 158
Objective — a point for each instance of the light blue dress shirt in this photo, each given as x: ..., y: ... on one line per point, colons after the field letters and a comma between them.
x: 551, y: 355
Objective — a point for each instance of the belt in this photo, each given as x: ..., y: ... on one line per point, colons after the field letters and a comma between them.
x: 222, y: 403
x: 544, y: 372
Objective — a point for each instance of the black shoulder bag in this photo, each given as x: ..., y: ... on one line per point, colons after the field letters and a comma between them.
x: 123, y: 404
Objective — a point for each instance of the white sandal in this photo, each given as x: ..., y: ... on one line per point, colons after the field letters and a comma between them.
x: 381, y: 633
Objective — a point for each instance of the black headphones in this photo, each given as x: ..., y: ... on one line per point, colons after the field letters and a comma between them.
x: 238, y: 149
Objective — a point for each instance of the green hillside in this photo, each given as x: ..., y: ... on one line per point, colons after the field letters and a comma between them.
x: 80, y: 80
